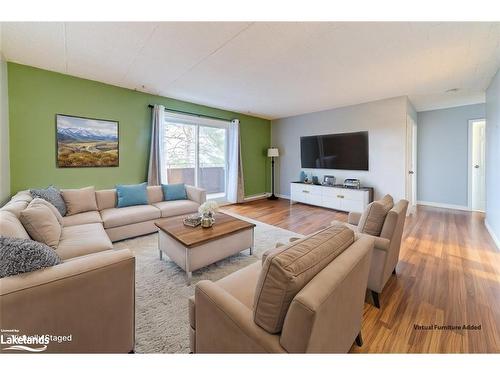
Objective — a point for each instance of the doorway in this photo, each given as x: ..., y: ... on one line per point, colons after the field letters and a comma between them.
x: 477, y: 167
x: 411, y: 163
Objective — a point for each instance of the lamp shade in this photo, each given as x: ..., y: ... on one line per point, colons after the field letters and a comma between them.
x: 273, y: 152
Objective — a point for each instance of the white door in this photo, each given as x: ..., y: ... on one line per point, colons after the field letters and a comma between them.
x: 477, y: 165
x: 411, y: 163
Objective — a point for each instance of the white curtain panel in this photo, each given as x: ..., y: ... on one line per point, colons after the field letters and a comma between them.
x: 235, y: 188
x: 156, y: 174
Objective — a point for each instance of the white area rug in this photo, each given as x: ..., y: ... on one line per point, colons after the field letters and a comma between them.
x: 162, y: 294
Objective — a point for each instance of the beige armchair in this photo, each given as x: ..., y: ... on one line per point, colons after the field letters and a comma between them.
x: 233, y: 314
x: 387, y: 245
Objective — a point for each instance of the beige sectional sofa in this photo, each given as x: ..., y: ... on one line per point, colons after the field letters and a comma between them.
x: 91, y: 294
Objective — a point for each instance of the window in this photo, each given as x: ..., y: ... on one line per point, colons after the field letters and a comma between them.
x: 195, y: 153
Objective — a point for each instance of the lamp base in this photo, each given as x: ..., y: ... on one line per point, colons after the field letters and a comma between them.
x: 272, y: 197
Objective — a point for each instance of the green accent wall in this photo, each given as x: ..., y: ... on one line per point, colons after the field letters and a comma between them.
x: 36, y: 95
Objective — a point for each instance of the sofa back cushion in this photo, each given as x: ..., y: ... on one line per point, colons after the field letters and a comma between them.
x: 18, y: 203
x: 79, y: 200
x: 131, y: 195
x: 287, y: 271
x: 373, y: 218
x: 106, y: 199
x: 155, y: 194
x: 41, y: 223
x: 10, y: 226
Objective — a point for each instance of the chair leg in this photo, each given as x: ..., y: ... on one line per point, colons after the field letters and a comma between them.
x: 376, y: 301
x: 359, y: 340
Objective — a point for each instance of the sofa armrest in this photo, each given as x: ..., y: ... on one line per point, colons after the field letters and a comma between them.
x: 91, y: 298
x: 380, y: 243
x: 225, y: 325
x: 196, y: 194
x: 354, y: 217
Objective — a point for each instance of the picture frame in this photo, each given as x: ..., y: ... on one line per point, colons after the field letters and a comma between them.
x: 85, y: 142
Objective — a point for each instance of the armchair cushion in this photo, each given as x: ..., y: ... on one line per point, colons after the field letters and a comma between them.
x: 287, y: 271
x: 373, y: 218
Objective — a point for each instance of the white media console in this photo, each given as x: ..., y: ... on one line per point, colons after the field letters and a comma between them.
x: 336, y: 197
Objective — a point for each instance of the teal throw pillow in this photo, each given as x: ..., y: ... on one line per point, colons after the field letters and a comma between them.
x: 132, y: 195
x: 174, y: 192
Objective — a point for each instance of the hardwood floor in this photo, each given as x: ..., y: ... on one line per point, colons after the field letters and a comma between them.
x: 448, y: 275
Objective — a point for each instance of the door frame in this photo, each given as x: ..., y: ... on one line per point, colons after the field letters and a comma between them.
x: 411, y: 144
x: 469, y: 160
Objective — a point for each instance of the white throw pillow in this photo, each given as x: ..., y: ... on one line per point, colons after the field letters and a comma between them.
x: 41, y: 223
x: 79, y: 200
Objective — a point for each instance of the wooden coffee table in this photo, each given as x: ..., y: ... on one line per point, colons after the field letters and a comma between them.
x: 194, y: 248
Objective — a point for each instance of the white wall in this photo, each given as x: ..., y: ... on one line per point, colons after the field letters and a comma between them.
x: 493, y: 158
x: 443, y: 142
x: 385, y: 120
x: 4, y: 134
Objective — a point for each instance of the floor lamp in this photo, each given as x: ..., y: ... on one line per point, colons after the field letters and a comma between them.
x: 272, y: 153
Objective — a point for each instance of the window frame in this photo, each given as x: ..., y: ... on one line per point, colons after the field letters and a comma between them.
x: 197, y: 121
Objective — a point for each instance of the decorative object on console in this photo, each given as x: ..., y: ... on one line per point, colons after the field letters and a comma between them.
x: 352, y: 183
x: 208, y: 211
x: 272, y: 153
x: 86, y: 142
x: 328, y: 180
x: 303, y: 176
x: 315, y: 180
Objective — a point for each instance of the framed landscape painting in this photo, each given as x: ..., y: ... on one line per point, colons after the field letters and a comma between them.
x: 86, y: 142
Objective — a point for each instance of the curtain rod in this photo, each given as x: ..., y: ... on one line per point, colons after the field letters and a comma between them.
x: 192, y: 114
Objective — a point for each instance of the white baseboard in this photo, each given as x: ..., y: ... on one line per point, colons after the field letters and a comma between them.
x: 255, y: 197
x: 283, y: 196
x: 444, y: 205
x: 492, y: 234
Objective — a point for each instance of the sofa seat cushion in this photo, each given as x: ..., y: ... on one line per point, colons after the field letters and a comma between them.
x: 240, y: 284
x: 176, y: 208
x: 117, y: 217
x: 82, y: 218
x: 84, y: 239
x: 286, y: 272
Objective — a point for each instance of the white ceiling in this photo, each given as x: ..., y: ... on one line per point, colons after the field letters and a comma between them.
x: 270, y: 69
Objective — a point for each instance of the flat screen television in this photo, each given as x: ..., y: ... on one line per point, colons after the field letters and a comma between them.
x: 335, y: 151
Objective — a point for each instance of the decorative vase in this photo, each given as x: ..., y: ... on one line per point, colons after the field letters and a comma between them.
x: 303, y: 176
x: 207, y: 220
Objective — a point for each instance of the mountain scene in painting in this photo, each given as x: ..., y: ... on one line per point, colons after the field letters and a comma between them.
x: 85, y: 142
